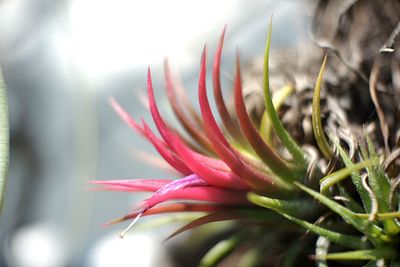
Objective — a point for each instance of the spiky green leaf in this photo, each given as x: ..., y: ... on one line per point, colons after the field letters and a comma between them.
x: 278, y: 99
x: 375, y: 233
x: 355, y: 176
x: 296, y: 152
x: 338, y: 238
x: 341, y: 174
x: 316, y: 116
x: 380, y: 185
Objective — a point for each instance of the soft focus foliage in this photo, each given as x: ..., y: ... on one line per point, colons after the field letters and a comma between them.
x: 4, y: 140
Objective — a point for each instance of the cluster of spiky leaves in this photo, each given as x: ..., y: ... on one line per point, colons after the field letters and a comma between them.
x: 283, y: 212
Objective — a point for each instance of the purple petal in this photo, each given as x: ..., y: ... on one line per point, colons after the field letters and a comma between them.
x: 192, y: 180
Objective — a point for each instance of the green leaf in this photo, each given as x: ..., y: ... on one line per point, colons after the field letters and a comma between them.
x: 278, y: 99
x: 375, y: 233
x: 316, y: 116
x: 380, y: 185
x: 291, y: 207
x: 296, y: 152
x: 221, y: 250
x: 341, y: 174
x: 348, y: 241
x: 338, y: 238
x: 355, y: 176
x: 368, y: 254
x: 4, y: 140
x: 381, y: 216
x: 350, y: 203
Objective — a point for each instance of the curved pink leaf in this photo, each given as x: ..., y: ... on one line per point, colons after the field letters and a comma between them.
x: 165, y: 152
x: 230, y: 125
x: 125, y: 116
x: 221, y: 145
x: 158, y: 144
x: 193, y: 130
x: 150, y: 185
x: 180, y: 93
x: 205, y: 193
x: 225, y: 179
x: 211, y: 175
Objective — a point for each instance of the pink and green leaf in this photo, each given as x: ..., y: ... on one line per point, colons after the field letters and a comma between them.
x: 277, y: 165
x: 193, y: 130
x: 230, y: 125
x: 221, y: 145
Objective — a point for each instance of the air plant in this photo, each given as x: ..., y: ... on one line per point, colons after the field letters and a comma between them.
x: 288, y: 207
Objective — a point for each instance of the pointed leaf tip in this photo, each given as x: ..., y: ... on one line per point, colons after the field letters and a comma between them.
x: 266, y: 154
x: 295, y: 150
x: 192, y: 127
x: 230, y: 125
x: 125, y: 116
x: 221, y: 145
x: 319, y: 134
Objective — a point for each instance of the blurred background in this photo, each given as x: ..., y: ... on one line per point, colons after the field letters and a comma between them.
x: 62, y: 60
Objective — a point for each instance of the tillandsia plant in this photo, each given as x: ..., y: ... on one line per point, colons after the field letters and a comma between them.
x: 338, y: 206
